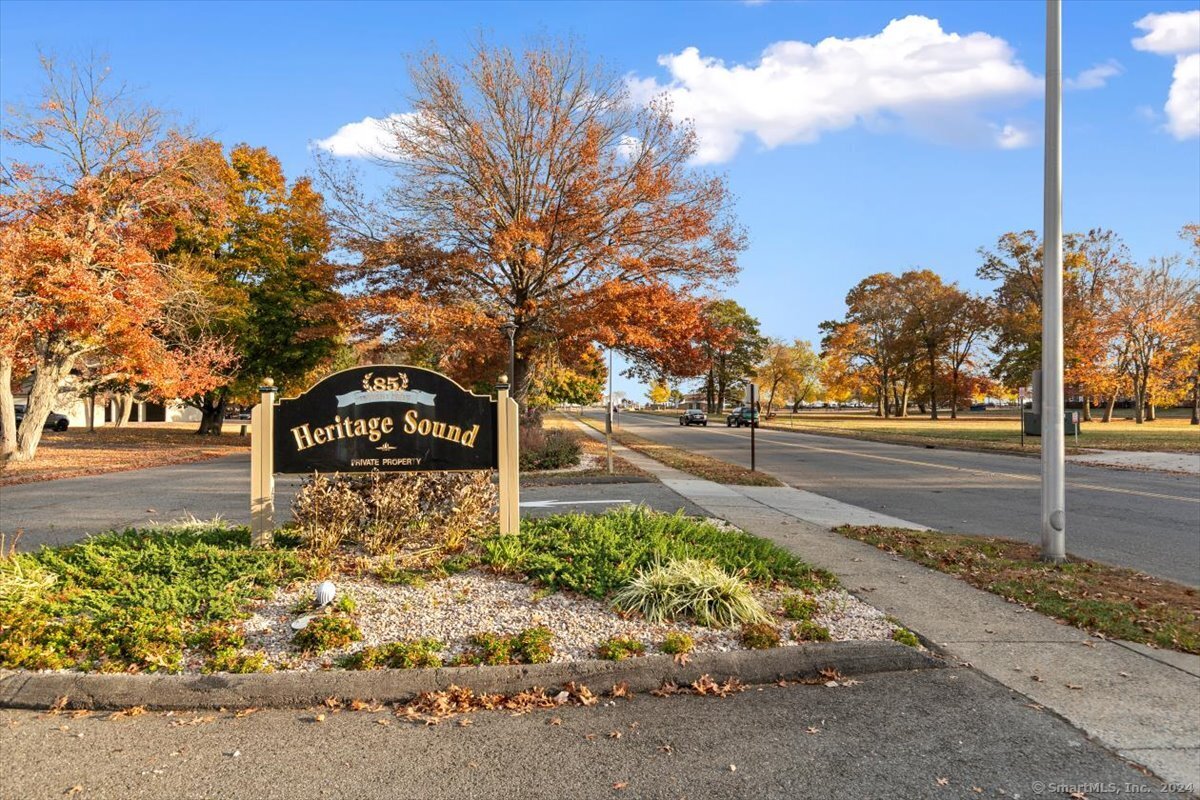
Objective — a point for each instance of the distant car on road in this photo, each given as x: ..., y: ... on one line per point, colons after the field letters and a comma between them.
x: 740, y: 416
x: 55, y: 422
x: 693, y: 416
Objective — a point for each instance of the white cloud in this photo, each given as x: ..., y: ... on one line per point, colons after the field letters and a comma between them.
x: 934, y: 83
x: 1011, y: 137
x: 1183, y: 101
x: 1094, y: 77
x: 1177, y: 34
x: 370, y: 138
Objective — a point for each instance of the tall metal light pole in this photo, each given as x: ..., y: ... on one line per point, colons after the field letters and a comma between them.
x: 1054, y: 520
x: 510, y: 330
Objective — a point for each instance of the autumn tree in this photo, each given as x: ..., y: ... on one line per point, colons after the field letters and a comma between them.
x: 1153, y: 308
x: 1091, y: 263
x: 969, y: 320
x: 659, y: 392
x: 791, y: 371
x: 730, y: 347
x: 530, y: 189
x: 264, y: 272
x: 875, y: 341
x: 86, y: 202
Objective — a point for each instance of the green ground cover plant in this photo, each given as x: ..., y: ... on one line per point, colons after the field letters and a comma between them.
x: 619, y: 648
x: 530, y: 646
x: 677, y: 644
x: 408, y: 654
x: 597, y: 555
x: 760, y: 636
x: 799, y: 606
x: 327, y: 633
x: 1115, y: 602
x: 906, y: 637
x: 130, y: 601
x: 809, y: 631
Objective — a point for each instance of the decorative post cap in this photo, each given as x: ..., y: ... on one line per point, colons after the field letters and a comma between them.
x: 502, y: 380
x: 268, y: 385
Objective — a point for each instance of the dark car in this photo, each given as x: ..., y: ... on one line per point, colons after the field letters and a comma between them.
x: 55, y: 422
x: 693, y: 416
x: 742, y: 415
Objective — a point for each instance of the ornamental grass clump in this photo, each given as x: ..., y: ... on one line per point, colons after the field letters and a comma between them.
x: 693, y: 589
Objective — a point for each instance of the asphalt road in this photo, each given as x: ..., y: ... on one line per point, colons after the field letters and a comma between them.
x: 1146, y: 520
x: 940, y: 733
x: 61, y: 511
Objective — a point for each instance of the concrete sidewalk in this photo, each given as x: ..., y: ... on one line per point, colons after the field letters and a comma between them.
x: 1142, y: 703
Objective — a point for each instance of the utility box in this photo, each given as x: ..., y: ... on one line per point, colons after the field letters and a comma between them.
x: 1032, y: 420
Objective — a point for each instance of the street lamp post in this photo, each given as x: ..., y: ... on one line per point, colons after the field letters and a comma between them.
x: 1054, y: 524
x: 510, y: 330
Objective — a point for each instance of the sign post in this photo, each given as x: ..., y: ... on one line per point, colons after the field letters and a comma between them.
x: 1021, y: 413
x: 752, y: 399
x: 382, y: 418
x: 262, y: 466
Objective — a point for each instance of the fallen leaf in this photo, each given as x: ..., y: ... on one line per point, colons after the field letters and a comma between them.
x: 620, y: 690
x: 58, y: 705
x: 464, y: 722
x: 1074, y: 686
x: 976, y: 790
x: 943, y: 781
x: 733, y: 767
x: 665, y: 748
x: 1123, y: 674
x: 812, y: 729
x: 614, y: 734
x: 1037, y: 678
x: 621, y: 785
x: 319, y: 718
x: 555, y: 721
x: 245, y: 712
x: 74, y: 790
x: 383, y: 722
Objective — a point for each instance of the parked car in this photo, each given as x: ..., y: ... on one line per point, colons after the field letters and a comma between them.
x: 55, y: 422
x: 693, y: 416
x: 740, y: 416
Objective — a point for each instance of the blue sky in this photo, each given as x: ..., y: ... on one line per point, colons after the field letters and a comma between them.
x: 847, y: 158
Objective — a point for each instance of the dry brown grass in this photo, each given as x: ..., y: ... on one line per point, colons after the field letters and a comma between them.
x: 1111, y: 601
x: 76, y: 453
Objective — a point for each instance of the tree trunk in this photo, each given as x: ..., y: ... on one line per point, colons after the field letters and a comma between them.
x: 954, y: 394
x: 212, y: 413
x: 710, y: 388
x: 933, y: 414
x: 8, y: 411
x: 1108, y: 407
x: 89, y: 404
x: 46, y: 380
x: 1151, y: 409
x: 124, y: 408
x: 1196, y: 400
x: 1087, y: 408
x: 1138, y: 399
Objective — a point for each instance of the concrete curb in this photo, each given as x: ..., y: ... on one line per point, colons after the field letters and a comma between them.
x: 39, y: 690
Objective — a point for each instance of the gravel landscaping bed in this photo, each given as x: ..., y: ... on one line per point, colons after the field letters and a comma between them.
x: 452, y: 609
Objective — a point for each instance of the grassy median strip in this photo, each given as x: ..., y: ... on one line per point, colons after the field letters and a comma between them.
x: 1113, y: 602
x: 998, y: 431
x: 692, y: 463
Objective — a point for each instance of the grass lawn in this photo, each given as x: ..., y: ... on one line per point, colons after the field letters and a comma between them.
x: 996, y: 430
x: 692, y: 463
x: 75, y: 453
x: 1114, y: 602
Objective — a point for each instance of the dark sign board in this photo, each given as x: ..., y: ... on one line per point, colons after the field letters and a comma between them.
x: 387, y: 418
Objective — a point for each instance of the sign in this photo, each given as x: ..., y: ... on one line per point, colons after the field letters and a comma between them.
x: 751, y: 398
x: 385, y: 418
x: 381, y: 418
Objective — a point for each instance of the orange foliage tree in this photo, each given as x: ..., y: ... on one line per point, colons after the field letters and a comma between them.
x: 530, y: 190
x: 84, y: 207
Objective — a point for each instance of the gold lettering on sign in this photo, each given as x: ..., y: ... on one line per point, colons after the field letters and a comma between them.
x: 375, y: 428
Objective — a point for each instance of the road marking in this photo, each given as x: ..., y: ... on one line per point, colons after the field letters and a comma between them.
x: 949, y: 467
x: 550, y: 503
